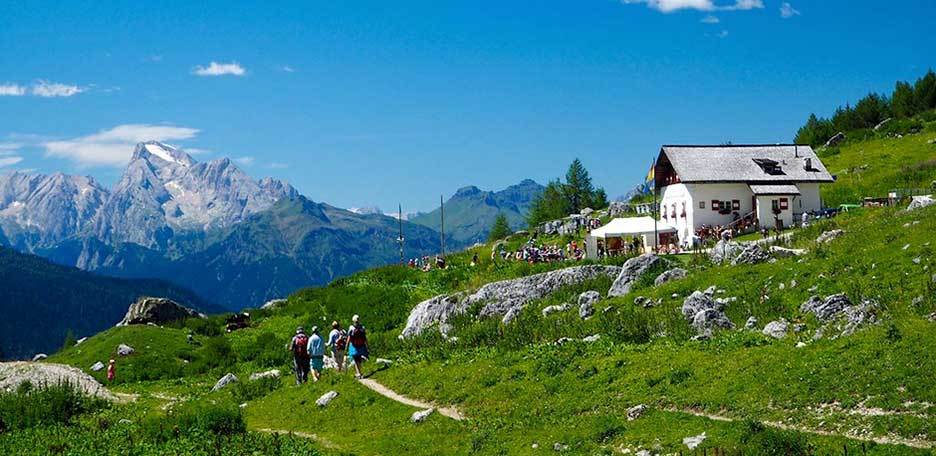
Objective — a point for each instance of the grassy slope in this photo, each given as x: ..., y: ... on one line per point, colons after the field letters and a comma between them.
x: 519, y: 389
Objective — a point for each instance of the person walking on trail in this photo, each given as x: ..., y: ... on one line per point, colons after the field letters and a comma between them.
x: 338, y: 341
x: 316, y: 354
x: 111, y: 371
x: 357, y: 345
x: 299, y: 346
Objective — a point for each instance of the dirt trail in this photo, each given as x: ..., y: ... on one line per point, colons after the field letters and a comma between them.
x: 885, y: 440
x: 325, y: 442
x: 450, y: 412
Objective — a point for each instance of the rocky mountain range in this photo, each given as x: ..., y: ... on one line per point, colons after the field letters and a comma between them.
x: 206, y: 226
x: 470, y: 212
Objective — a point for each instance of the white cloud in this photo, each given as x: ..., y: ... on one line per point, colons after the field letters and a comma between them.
x: 8, y: 148
x: 277, y: 165
x: 220, y: 69
x: 155, y: 58
x: 288, y: 69
x: 710, y: 20
x: 113, y: 147
x: 12, y: 90
x: 669, y: 6
x: 722, y: 34
x: 195, y: 151
x: 10, y: 160
x: 787, y: 11
x: 54, y: 89
x: 244, y: 161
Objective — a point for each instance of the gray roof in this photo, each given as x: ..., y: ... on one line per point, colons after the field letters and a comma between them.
x: 736, y: 163
x: 767, y: 189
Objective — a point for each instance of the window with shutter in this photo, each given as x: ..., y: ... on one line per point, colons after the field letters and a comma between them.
x: 736, y: 205
x: 714, y: 205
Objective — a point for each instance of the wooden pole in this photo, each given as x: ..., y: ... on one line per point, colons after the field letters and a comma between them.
x: 442, y: 231
x: 400, y: 218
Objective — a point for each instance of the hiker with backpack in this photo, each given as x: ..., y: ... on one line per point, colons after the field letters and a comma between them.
x: 357, y: 345
x: 299, y: 346
x: 316, y: 354
x: 338, y: 341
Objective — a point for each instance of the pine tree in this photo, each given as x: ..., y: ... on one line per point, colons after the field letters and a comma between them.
x: 902, y: 101
x: 549, y: 205
x: 579, y: 189
x: 600, y: 199
x: 500, y: 229
x: 924, y: 92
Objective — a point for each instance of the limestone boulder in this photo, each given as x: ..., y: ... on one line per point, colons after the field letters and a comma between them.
x: 148, y: 310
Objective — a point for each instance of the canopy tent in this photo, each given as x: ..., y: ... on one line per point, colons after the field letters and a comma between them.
x: 631, y: 226
x: 642, y: 227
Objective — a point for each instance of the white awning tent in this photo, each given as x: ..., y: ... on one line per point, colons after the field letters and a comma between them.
x: 631, y: 226
x: 642, y: 227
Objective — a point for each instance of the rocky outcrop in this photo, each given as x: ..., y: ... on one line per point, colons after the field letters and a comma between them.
x: 751, y: 254
x: 504, y: 298
x: 39, y: 357
x: 273, y: 303
x: 97, y: 367
x: 704, y: 313
x: 586, y: 302
x: 157, y: 311
x: 633, y: 269
x: 617, y: 208
x: 919, y: 202
x: 777, y: 329
x: 549, y: 310
x: 835, y: 140
x: 636, y: 411
x: 828, y: 236
x: 224, y: 382
x: 670, y: 275
x: 421, y: 415
x: 826, y: 309
x: 751, y: 323
x: 125, y: 350
x: 725, y: 251
x: 326, y: 398
x: 15, y: 373
x: 783, y: 252
x: 273, y: 373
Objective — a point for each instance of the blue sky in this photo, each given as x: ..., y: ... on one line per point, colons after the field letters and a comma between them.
x: 373, y: 103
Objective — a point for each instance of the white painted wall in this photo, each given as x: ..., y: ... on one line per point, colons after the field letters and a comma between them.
x: 765, y: 211
x: 809, y: 199
x: 694, y: 194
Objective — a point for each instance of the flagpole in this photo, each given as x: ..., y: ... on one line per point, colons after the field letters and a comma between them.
x: 656, y: 210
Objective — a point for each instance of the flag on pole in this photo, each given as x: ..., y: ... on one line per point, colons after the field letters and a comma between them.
x: 650, y: 181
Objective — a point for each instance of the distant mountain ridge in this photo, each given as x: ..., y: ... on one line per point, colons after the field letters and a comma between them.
x: 207, y: 226
x: 41, y: 300
x: 470, y: 212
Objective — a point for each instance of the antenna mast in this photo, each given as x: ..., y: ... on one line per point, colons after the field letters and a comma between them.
x: 400, y: 239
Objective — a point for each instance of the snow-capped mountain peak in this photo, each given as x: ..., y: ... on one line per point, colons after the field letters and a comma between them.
x: 164, y: 153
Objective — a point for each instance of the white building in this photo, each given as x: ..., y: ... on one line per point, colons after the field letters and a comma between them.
x: 750, y: 185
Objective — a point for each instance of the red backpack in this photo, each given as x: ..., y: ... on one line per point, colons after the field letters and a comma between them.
x: 358, y: 337
x: 342, y: 342
x: 301, y: 345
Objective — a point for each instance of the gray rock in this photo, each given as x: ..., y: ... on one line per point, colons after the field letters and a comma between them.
x: 564, y: 340
x: 710, y: 291
x: 711, y: 319
x: 828, y: 236
x: 326, y: 399
x: 589, y: 297
x: 549, y: 310
x: 273, y: 303
x: 148, y: 310
x: 859, y: 315
x: 670, y: 275
x: 751, y: 254
x: 643, y: 301
x: 882, y: 123
x: 751, y: 323
x: 636, y: 412
x: 725, y: 251
x: 383, y: 362
x: 828, y: 309
x: 919, y: 202
x: 783, y: 252
x: 777, y: 329
x: 617, y: 209
x: 97, y: 367
x: 504, y: 298
x: 697, y: 302
x: 586, y: 310
x: 420, y: 416
x: 273, y: 373
x: 39, y: 357
x: 124, y: 421
x: 592, y: 338
x: 799, y: 327
x: 560, y: 447
x: 633, y: 269
x: 835, y: 140
x: 694, y: 441
x: 81, y: 341
x: 125, y: 350
x: 224, y: 382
